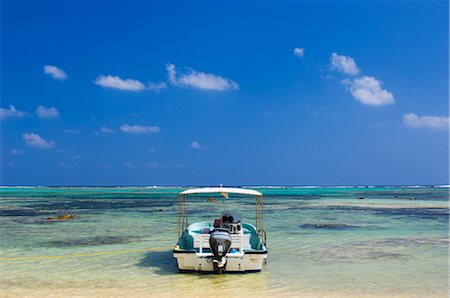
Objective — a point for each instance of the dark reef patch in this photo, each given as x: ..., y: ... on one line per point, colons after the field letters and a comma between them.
x: 351, y: 253
x: 329, y: 226
x: 405, y: 242
x: 100, y: 204
x: 92, y: 241
x: 19, y: 212
x: 425, y: 213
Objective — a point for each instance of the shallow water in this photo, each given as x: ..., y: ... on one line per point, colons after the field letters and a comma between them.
x: 325, y: 242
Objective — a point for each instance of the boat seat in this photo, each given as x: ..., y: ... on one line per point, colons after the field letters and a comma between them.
x: 236, y: 243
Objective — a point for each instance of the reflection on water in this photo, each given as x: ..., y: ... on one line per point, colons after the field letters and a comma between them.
x: 322, y: 242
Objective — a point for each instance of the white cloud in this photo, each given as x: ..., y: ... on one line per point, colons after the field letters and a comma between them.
x: 137, y: 129
x: 116, y: 82
x: 34, y: 140
x: 344, y: 64
x: 196, y: 145
x: 55, y: 72
x: 171, y: 73
x: 433, y: 122
x: 368, y: 91
x: 12, y: 112
x: 105, y: 130
x: 199, y: 80
x: 299, y: 52
x: 47, y: 113
x: 156, y: 86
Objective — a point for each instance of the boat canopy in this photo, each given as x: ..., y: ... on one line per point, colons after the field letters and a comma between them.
x: 183, y: 221
x: 232, y: 190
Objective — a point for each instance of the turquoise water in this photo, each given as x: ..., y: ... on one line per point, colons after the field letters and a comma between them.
x: 322, y: 242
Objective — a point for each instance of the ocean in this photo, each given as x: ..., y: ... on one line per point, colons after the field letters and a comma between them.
x: 322, y: 242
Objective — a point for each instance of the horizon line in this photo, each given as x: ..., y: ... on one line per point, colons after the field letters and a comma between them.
x: 232, y: 185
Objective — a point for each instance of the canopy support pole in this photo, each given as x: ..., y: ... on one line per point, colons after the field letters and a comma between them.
x: 179, y: 211
x: 260, y: 219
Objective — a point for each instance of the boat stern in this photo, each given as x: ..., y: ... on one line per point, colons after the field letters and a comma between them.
x: 190, y: 260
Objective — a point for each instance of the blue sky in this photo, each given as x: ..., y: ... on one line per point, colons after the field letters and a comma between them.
x: 239, y: 93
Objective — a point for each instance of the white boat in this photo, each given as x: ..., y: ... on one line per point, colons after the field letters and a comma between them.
x: 226, y: 244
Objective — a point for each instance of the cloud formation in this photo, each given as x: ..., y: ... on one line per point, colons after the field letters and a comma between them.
x: 34, y: 140
x: 156, y: 86
x: 106, y: 130
x: 12, y: 112
x: 47, y: 113
x: 368, y: 91
x: 299, y: 52
x: 115, y: 82
x: 344, y: 64
x: 199, y: 80
x: 433, y: 122
x: 55, y: 72
x: 137, y: 129
x: 196, y: 145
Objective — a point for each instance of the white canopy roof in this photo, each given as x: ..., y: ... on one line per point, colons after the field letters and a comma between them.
x: 241, y: 191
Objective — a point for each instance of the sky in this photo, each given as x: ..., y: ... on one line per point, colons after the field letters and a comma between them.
x: 239, y: 93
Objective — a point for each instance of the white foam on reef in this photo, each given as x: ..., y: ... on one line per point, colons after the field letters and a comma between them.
x: 443, y: 186
x: 336, y: 186
x: 21, y: 186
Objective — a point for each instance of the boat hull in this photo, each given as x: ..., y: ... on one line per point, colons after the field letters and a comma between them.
x: 246, y: 262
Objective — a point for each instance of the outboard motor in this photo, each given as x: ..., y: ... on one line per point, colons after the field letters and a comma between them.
x: 220, y: 243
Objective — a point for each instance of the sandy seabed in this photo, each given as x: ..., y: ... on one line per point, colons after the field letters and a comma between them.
x: 121, y: 292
